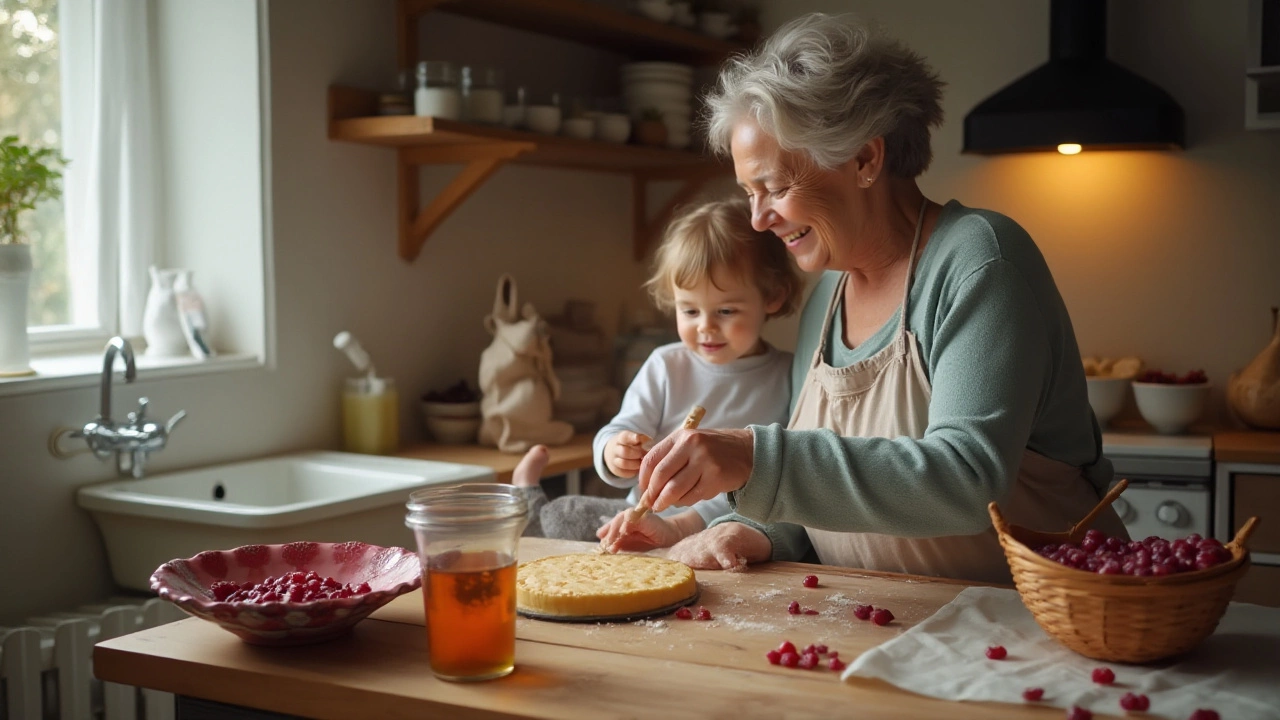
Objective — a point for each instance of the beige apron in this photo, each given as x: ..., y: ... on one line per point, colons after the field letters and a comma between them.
x: 887, y: 395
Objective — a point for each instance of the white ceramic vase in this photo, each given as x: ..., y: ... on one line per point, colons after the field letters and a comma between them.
x: 15, y: 288
x: 160, y: 325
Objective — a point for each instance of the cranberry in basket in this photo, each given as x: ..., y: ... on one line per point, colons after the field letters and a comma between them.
x: 1104, y: 555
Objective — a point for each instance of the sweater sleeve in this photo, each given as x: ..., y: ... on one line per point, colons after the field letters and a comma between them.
x: 990, y: 367
x: 641, y: 411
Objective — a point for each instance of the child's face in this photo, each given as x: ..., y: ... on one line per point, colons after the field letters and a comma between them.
x: 721, y: 322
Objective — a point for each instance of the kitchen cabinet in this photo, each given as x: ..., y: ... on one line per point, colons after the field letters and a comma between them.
x: 1247, y: 483
x: 1262, y: 76
x: 483, y: 150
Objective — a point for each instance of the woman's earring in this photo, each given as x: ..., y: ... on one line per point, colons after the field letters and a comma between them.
x: 866, y: 182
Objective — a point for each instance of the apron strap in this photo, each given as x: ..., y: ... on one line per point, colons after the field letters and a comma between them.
x: 911, y: 269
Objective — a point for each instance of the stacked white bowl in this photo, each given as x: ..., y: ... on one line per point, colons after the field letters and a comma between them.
x: 665, y: 87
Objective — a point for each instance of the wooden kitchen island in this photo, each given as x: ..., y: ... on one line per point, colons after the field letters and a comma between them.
x: 663, y: 668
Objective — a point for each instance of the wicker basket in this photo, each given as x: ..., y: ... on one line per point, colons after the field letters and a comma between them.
x: 1119, y: 618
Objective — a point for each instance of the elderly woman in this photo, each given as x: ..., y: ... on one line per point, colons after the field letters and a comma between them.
x: 936, y: 369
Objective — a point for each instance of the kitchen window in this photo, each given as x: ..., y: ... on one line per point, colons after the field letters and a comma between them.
x: 160, y: 109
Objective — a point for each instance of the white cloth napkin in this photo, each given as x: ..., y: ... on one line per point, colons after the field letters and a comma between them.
x: 1236, y: 671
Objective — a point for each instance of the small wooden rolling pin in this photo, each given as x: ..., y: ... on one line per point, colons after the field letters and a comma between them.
x: 690, y: 422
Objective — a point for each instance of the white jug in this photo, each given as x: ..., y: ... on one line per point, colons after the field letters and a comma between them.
x: 160, y: 325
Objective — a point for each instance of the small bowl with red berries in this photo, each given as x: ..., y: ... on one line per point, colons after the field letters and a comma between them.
x: 291, y: 594
x: 1171, y: 402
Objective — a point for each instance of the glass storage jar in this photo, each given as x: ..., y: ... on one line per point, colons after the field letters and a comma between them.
x: 482, y: 94
x: 437, y: 94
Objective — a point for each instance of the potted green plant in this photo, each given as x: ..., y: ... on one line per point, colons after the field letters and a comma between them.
x: 28, y: 175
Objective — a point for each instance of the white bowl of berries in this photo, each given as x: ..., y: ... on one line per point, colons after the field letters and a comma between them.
x: 1169, y: 402
x: 291, y: 594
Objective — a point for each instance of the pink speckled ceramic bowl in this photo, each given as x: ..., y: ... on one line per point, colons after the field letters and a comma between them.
x: 389, y: 572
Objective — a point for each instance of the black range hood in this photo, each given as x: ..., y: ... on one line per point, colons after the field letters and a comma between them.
x: 1078, y: 97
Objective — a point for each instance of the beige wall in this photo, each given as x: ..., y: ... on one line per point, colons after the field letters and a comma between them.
x: 1170, y: 256
x: 1174, y: 257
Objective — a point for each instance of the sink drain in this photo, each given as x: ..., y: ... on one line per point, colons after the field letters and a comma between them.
x: 219, y: 492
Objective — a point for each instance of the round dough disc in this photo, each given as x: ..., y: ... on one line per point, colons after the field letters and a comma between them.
x: 593, y: 585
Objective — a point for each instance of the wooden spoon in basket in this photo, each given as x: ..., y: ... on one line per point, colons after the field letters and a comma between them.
x: 1035, y: 539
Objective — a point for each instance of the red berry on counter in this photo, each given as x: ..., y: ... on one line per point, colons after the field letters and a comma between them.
x: 836, y: 664
x: 1032, y: 694
x: 1103, y: 676
x: 1079, y: 713
x: 1203, y: 714
x: 811, y: 581
x: 774, y: 657
x: 862, y: 612
x: 880, y: 616
x: 820, y: 649
x: 807, y: 661
x: 809, y: 649
x: 809, y: 611
x: 997, y: 652
x: 790, y: 659
x: 794, y: 608
x: 684, y: 613
x: 786, y: 647
x: 833, y: 654
x: 703, y: 614
x: 1134, y: 702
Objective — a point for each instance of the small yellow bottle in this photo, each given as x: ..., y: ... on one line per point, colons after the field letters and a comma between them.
x: 370, y: 416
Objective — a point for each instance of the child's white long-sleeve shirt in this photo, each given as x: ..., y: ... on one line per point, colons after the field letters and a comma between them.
x: 754, y: 390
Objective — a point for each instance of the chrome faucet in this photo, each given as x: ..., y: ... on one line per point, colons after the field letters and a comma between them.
x: 133, y: 441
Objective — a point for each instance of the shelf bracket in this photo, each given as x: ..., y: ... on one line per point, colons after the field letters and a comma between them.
x: 480, y: 160
x: 645, y: 232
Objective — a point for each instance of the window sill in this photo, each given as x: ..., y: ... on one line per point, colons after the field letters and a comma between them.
x: 61, y: 372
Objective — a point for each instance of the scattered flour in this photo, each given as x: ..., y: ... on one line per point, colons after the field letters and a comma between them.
x: 657, y: 626
x: 744, y: 624
x: 769, y: 594
x: 842, y: 600
x: 735, y: 600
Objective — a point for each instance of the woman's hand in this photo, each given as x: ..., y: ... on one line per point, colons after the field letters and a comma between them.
x: 623, y: 453
x: 645, y: 533
x: 692, y: 465
x: 727, y: 546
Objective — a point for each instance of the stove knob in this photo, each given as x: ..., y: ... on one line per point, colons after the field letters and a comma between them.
x: 1124, y: 510
x: 1172, y: 513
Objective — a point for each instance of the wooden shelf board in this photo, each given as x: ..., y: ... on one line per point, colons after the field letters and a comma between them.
x: 412, y: 131
x: 592, y: 24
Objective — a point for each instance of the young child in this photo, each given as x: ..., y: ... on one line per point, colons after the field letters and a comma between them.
x: 723, y: 280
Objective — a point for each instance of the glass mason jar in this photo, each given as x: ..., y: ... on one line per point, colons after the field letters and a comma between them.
x: 482, y: 95
x: 437, y: 94
x: 467, y: 536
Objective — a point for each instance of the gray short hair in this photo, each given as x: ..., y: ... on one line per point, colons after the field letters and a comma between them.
x: 826, y: 85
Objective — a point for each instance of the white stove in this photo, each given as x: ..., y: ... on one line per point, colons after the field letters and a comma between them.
x: 1170, y: 478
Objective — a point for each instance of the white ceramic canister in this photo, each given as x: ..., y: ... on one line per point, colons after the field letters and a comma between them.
x: 437, y: 94
x: 15, y: 287
x: 482, y: 94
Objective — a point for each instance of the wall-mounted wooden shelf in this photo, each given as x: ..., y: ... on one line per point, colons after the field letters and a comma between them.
x: 579, y: 21
x: 483, y: 149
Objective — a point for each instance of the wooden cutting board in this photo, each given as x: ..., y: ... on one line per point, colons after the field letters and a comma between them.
x: 749, y: 613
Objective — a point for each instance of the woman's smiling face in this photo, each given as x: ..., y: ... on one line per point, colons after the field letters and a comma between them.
x: 802, y: 204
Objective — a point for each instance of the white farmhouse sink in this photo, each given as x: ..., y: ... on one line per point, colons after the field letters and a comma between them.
x: 318, y: 496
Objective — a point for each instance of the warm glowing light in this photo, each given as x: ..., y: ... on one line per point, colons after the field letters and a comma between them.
x: 1070, y: 148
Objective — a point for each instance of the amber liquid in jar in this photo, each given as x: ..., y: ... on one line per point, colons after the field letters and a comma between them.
x: 470, y: 602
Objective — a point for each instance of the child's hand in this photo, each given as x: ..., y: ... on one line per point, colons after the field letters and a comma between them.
x: 623, y: 453
x: 646, y: 533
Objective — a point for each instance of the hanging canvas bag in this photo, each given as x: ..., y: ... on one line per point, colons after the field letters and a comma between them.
x: 516, y: 378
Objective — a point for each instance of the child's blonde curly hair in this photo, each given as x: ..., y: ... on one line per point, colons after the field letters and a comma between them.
x: 718, y: 236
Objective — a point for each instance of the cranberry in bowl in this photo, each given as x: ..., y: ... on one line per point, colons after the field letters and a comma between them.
x: 291, y: 594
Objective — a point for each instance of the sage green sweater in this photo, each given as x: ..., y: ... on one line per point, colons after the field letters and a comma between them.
x: 1001, y: 356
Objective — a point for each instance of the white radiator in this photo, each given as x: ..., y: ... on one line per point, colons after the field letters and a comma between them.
x: 46, y: 666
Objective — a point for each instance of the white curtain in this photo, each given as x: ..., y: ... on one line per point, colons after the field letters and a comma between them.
x: 113, y: 193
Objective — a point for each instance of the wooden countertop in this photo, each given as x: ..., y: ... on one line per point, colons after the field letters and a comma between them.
x: 572, y: 455
x: 664, y: 668
x: 1247, y: 447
